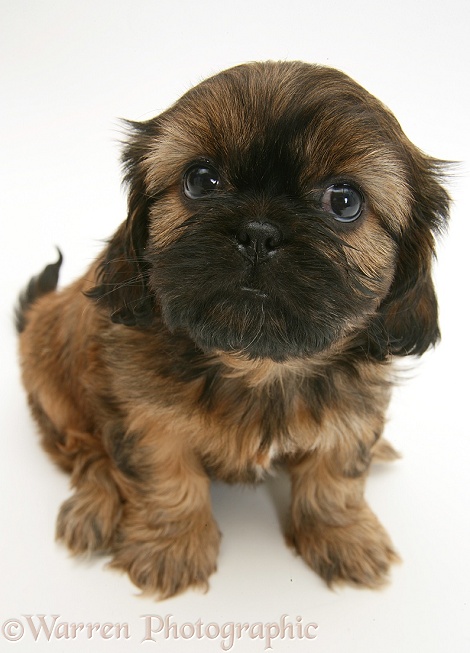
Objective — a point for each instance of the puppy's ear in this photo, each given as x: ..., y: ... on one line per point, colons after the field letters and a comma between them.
x: 407, y: 322
x: 122, y: 276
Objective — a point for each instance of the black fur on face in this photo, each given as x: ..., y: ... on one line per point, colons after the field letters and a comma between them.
x: 293, y: 303
x: 257, y: 262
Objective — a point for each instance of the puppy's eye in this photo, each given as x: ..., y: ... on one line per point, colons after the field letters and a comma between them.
x: 200, y: 180
x: 343, y: 201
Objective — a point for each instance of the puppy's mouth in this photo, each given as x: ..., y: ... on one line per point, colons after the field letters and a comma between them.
x: 291, y: 305
x: 250, y: 319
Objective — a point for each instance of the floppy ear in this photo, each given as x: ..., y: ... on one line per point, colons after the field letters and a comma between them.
x: 408, y: 317
x: 122, y: 276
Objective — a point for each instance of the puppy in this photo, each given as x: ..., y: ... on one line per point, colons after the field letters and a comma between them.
x: 276, y: 257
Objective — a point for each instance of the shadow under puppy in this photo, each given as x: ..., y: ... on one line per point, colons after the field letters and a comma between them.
x: 275, y: 258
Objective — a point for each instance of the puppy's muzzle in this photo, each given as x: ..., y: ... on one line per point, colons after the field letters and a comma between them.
x: 258, y: 241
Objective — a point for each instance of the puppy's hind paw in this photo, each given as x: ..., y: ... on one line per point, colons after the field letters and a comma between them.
x: 87, y: 523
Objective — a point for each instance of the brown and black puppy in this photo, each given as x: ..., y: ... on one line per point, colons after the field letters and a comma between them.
x: 275, y: 258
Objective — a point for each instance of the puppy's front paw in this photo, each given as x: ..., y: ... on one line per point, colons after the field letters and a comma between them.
x: 87, y: 521
x: 164, y: 566
x: 360, y: 553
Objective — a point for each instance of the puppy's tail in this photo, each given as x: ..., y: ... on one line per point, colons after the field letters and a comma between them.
x: 45, y: 282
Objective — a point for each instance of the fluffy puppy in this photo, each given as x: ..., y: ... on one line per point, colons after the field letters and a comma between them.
x: 275, y: 259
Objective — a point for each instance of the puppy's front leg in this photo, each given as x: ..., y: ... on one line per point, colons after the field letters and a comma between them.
x: 333, y: 528
x: 168, y: 539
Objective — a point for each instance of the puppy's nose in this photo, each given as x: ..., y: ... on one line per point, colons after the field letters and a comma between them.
x: 258, y: 240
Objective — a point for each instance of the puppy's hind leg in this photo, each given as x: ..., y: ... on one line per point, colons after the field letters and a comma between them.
x: 88, y: 520
x: 59, y: 369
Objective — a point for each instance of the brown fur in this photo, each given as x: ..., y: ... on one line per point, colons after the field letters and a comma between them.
x: 142, y: 408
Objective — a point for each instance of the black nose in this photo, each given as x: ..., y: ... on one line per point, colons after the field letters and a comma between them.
x: 259, y: 240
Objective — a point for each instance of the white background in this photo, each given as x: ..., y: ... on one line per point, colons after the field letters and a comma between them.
x: 69, y: 70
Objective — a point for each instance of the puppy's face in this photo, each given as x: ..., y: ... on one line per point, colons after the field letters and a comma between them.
x: 275, y: 209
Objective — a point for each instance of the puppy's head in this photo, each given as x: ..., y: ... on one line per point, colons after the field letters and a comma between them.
x: 273, y: 210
